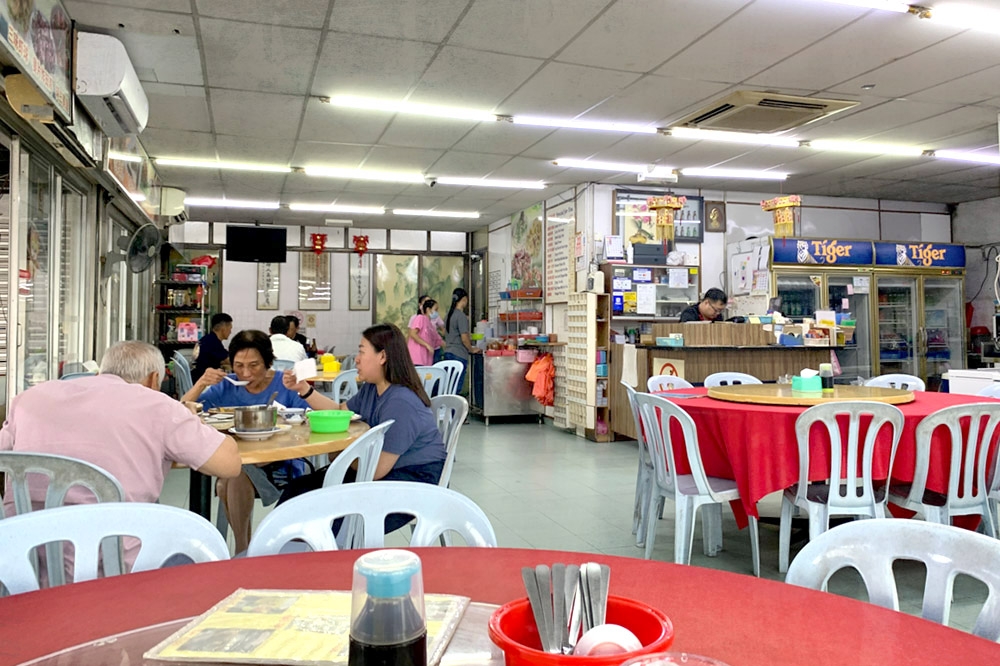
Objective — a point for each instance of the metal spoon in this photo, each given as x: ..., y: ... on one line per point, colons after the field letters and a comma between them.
x: 270, y: 401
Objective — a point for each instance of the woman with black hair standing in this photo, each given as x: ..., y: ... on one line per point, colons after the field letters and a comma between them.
x: 458, y: 343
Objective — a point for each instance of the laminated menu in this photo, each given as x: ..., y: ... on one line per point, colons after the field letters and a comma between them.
x: 291, y: 627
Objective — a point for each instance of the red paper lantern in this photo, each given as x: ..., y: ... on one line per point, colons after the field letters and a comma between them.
x: 318, y: 243
x: 360, y: 245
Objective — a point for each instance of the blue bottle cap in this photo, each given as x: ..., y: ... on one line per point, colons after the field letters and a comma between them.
x: 388, y: 572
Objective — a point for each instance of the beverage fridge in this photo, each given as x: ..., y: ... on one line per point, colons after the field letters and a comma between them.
x: 906, y: 299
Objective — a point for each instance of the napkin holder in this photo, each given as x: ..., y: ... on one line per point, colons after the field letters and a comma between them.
x: 807, y: 384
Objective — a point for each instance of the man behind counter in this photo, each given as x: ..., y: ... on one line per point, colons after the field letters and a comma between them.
x: 709, y: 309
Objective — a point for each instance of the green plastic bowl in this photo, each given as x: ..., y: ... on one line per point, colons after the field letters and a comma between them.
x: 329, y: 420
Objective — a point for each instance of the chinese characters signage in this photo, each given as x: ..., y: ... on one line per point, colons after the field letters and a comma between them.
x: 37, y: 35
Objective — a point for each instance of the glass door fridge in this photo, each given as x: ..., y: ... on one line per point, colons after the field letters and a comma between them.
x: 856, y: 356
x: 897, y: 324
x: 799, y: 293
x: 942, y: 334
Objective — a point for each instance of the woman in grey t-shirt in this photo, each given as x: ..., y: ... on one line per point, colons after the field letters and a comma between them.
x: 458, y: 345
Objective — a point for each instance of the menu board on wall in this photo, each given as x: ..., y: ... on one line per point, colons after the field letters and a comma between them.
x: 526, y: 245
x: 560, y: 230
x: 36, y: 34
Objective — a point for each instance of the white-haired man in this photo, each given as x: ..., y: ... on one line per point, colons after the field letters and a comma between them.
x: 120, y: 421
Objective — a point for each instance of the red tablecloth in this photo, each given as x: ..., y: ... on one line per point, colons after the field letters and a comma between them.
x: 755, y: 445
x: 739, y: 619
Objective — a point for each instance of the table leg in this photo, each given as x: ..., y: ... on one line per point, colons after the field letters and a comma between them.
x: 200, y: 494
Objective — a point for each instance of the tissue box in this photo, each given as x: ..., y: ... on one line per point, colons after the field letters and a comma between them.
x: 602, y: 370
x: 672, y: 340
x: 807, y: 384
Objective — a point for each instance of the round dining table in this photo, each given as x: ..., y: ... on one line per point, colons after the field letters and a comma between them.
x: 738, y: 619
x: 756, y: 446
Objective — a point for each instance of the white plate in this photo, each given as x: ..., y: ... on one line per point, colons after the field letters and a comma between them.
x: 356, y: 417
x: 258, y: 436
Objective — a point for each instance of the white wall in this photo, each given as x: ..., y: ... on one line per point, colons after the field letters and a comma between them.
x: 977, y: 223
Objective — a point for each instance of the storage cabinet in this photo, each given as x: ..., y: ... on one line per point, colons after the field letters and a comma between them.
x: 651, y: 293
x: 182, y: 308
x: 587, y: 365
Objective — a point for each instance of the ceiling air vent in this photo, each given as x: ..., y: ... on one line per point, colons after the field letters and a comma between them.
x: 753, y: 111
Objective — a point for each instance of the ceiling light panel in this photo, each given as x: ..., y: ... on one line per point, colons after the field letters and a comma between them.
x: 412, y: 108
x: 734, y: 173
x: 231, y: 203
x: 886, y: 5
x: 960, y: 15
x: 866, y: 148
x: 964, y: 156
x: 336, y: 208
x: 734, y: 137
x: 365, y: 174
x: 595, y: 125
x: 225, y: 166
x: 491, y: 182
x: 435, y: 213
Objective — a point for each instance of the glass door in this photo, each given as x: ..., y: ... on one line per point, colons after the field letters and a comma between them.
x: 897, y: 324
x: 856, y: 356
x: 36, y: 360
x: 943, y: 326
x: 799, y: 294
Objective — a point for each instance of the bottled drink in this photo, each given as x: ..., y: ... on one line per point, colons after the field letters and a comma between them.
x: 387, y: 611
x: 826, y: 377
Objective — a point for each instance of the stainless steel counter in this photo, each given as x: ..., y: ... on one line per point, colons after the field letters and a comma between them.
x: 500, y: 389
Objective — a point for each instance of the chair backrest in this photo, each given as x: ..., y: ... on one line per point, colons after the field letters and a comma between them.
x: 898, y: 381
x: 666, y: 383
x: 309, y: 517
x: 454, y: 371
x: 449, y: 413
x: 182, y: 373
x: 871, y: 547
x: 366, y: 450
x: 62, y: 473
x: 345, y: 385
x: 991, y: 391
x: 282, y: 364
x: 77, y: 375
x: 435, y: 379
x: 640, y: 437
x: 969, y: 452
x: 656, y: 414
x: 847, y: 489
x: 730, y: 378
x: 164, y: 531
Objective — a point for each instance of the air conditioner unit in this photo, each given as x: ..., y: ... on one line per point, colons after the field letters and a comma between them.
x: 762, y: 112
x: 108, y: 86
x: 172, y: 201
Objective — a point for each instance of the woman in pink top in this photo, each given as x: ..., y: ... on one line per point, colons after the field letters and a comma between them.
x: 423, y: 337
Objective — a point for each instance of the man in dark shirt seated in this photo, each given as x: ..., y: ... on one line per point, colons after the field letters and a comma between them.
x: 293, y: 332
x: 211, y: 353
x: 709, y: 309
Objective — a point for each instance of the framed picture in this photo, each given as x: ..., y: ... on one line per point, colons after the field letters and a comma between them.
x: 689, y: 221
x: 359, y: 280
x: 314, y: 281
x: 268, y: 283
x: 715, y: 217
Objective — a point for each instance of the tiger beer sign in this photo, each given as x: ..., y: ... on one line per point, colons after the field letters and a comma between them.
x: 828, y: 252
x: 920, y: 255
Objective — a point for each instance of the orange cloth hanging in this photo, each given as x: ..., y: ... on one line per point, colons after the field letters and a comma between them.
x: 542, y: 374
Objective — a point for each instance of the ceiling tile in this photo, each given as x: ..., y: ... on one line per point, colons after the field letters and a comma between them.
x: 501, y: 138
x: 173, y: 59
x: 300, y: 187
x: 253, y: 149
x: 425, y: 132
x: 879, y: 118
x: 178, y: 6
x: 983, y: 138
x: 143, y: 21
x: 745, y: 45
x: 371, y: 66
x: 475, y: 79
x: 537, y: 28
x: 654, y: 98
x: 317, y: 153
x: 262, y: 58
x: 300, y: 13
x: 326, y: 123
x: 275, y: 116
x: 566, y: 90
x: 401, y: 159
x: 196, y: 182
x: 640, y: 148
x: 573, y: 143
x: 420, y: 203
x: 177, y: 143
x: 177, y: 107
x: 953, y: 123
x: 521, y: 168
x: 637, y: 35
x: 253, y: 186
x: 970, y: 89
x: 427, y: 20
x: 470, y: 165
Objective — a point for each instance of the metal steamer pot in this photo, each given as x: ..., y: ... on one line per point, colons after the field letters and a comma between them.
x: 255, y: 418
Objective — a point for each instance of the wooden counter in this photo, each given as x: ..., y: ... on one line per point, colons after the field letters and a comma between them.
x: 765, y: 363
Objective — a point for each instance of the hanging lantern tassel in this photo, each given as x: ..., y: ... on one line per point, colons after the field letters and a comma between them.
x: 786, y: 211
x: 318, y: 243
x: 665, y: 208
x: 360, y: 246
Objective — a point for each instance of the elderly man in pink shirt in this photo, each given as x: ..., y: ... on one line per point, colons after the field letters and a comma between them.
x: 120, y: 421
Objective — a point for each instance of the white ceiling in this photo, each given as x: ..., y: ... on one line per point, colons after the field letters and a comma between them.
x: 237, y: 80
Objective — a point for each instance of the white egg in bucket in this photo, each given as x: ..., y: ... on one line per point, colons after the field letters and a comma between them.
x: 607, y: 639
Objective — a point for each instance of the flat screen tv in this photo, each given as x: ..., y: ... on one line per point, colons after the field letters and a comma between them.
x: 257, y: 244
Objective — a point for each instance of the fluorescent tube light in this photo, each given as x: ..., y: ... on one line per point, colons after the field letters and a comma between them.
x: 964, y: 16
x: 225, y: 166
x: 435, y: 213
x: 124, y: 157
x: 965, y: 156
x: 735, y: 173
x: 865, y: 148
x: 411, y: 108
x: 137, y: 197
x: 336, y: 208
x: 365, y: 174
x: 231, y: 203
x: 597, y: 125
x: 887, y: 5
x: 491, y: 182
x: 734, y: 137
x: 649, y: 169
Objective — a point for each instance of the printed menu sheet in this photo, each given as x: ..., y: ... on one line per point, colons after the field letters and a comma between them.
x: 291, y: 627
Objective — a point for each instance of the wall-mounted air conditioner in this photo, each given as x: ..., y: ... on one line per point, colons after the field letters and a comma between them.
x: 108, y: 86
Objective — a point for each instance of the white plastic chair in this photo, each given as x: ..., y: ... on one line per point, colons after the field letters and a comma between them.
x: 991, y: 391
x: 689, y: 492
x: 345, y: 386
x: 449, y: 413
x: 454, y: 372
x: 78, y: 375
x: 164, y: 531
x: 898, y: 381
x: 871, y: 547
x: 309, y: 517
x: 366, y: 450
x: 644, y: 475
x: 182, y: 373
x: 666, y: 383
x: 844, y: 493
x: 435, y: 380
x: 968, y: 493
x: 62, y: 473
x: 730, y: 378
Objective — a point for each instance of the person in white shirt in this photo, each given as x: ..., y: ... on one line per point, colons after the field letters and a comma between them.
x: 285, y: 349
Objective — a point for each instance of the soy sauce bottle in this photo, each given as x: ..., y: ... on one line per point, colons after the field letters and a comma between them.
x: 388, y: 625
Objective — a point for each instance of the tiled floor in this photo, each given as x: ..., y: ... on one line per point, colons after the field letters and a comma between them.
x: 544, y: 488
